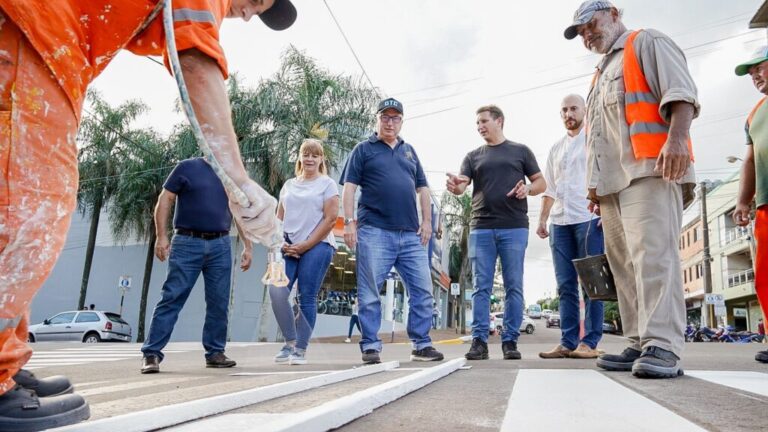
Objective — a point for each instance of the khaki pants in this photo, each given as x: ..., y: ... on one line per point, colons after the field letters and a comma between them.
x: 641, y: 225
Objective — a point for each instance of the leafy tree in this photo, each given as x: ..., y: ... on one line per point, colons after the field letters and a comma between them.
x: 300, y: 101
x: 103, y: 137
x: 458, y: 215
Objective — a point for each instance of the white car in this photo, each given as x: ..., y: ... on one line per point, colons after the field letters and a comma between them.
x: 546, y: 313
x: 87, y: 326
x: 497, y: 322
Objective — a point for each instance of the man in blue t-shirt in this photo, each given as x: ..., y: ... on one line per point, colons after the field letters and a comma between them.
x: 387, y: 231
x: 201, y: 244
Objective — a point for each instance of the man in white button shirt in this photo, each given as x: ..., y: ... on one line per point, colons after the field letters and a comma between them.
x: 574, y: 233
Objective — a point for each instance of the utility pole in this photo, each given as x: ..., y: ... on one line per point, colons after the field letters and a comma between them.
x: 705, y: 265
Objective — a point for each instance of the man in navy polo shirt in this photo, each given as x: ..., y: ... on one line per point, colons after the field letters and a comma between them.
x: 387, y: 231
x: 201, y: 244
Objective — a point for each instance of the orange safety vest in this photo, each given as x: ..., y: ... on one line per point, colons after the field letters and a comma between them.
x: 754, y: 110
x: 647, y: 130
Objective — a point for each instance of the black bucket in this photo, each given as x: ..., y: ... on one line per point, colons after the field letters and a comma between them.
x: 596, y: 278
x: 595, y: 274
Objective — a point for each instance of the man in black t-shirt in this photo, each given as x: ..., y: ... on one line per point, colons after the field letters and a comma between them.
x: 499, y: 226
x: 200, y: 244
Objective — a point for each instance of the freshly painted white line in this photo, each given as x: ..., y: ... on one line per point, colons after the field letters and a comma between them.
x: 295, y: 372
x: 90, y: 384
x: 229, y: 422
x: 134, y: 385
x: 562, y: 399
x: 84, y: 355
x: 171, y: 415
x: 338, y: 412
x: 753, y: 382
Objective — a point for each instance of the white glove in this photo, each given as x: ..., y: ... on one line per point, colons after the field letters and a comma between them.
x: 258, y: 220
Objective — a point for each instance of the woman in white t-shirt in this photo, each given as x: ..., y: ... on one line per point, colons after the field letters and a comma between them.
x: 308, y: 207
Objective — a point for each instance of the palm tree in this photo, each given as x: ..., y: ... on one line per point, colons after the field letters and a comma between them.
x: 131, y: 213
x: 103, y: 136
x: 300, y: 101
x: 458, y: 215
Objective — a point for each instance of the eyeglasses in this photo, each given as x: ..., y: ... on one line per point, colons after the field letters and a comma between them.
x: 393, y: 119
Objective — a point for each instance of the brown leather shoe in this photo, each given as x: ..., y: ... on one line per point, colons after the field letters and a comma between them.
x: 150, y: 364
x: 585, y: 352
x: 556, y: 352
x: 219, y: 360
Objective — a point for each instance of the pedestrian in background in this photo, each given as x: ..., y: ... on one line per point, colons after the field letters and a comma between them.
x: 308, y: 207
x: 354, y: 321
x: 574, y: 233
x: 640, y: 172
x: 753, y: 183
x: 499, y: 226
x: 387, y: 231
x: 200, y: 244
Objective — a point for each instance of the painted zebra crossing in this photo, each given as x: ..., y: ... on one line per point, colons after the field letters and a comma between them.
x: 536, y: 401
x: 84, y: 355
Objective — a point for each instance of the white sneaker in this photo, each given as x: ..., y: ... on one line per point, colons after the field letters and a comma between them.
x: 347, y: 340
x: 284, y: 354
x: 297, y: 357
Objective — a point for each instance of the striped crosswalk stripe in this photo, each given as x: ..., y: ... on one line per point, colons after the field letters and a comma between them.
x: 90, y: 354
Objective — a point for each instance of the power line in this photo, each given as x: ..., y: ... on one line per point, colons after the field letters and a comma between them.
x: 359, y: 63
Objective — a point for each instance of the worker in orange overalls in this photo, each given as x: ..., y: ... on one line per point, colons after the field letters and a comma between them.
x: 50, y: 51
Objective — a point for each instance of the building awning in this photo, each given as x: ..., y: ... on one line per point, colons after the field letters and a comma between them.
x: 760, y: 20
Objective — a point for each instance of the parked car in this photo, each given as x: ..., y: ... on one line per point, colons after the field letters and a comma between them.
x: 553, y: 320
x: 546, y: 313
x: 87, y: 326
x: 497, y: 324
x: 527, y: 325
x: 534, y: 311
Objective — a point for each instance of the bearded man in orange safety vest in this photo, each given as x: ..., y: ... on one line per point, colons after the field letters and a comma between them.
x: 639, y: 173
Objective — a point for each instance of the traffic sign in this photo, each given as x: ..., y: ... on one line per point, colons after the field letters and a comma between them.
x: 124, y: 283
x: 715, y: 299
x: 455, y: 289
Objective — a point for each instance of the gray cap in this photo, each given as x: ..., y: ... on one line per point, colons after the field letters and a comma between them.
x: 584, y: 14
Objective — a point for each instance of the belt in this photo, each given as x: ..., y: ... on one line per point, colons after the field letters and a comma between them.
x: 200, y: 234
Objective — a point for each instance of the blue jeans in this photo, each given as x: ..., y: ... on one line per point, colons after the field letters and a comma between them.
x: 484, y: 246
x: 568, y: 242
x: 377, y: 251
x: 190, y: 256
x: 354, y: 321
x: 309, y: 271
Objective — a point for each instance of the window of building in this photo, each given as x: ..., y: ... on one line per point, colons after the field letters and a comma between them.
x: 695, y: 234
x: 685, y: 276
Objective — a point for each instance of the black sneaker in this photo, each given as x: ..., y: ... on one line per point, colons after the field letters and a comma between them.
x: 43, y: 387
x: 619, y: 362
x: 478, y: 350
x: 762, y: 356
x: 371, y: 356
x: 219, y: 360
x: 657, y: 363
x: 509, y: 349
x: 21, y: 410
x: 426, y: 354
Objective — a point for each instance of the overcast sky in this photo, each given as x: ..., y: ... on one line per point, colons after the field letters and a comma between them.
x: 444, y: 58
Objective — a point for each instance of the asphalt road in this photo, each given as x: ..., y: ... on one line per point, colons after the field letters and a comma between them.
x: 724, y: 388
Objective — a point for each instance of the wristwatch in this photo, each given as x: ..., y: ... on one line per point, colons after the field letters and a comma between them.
x: 348, y: 221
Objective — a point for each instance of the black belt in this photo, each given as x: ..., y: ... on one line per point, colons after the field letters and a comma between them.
x: 201, y: 235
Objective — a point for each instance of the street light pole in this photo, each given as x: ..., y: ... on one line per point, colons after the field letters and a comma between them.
x: 705, y: 265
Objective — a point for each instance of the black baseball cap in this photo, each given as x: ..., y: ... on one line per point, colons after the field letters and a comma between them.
x: 280, y: 16
x: 390, y: 103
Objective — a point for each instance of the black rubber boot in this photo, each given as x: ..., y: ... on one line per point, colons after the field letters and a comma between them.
x: 44, y: 387
x: 22, y: 411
